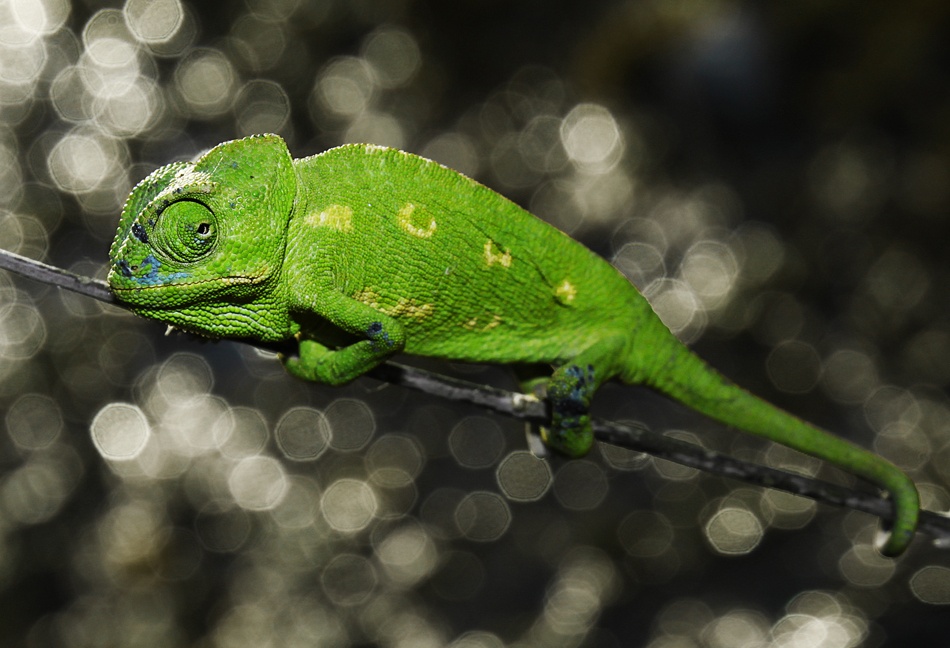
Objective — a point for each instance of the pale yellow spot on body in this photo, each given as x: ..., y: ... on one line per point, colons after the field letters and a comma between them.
x: 409, y: 216
x: 337, y: 217
x: 565, y: 292
x: 494, y: 255
x: 410, y: 308
x: 368, y: 297
x: 404, y: 307
x: 475, y: 324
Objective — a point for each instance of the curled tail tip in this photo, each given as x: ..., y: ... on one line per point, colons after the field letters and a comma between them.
x: 892, y: 544
x: 893, y: 541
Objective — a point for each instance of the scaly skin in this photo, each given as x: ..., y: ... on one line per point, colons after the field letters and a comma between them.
x: 363, y: 252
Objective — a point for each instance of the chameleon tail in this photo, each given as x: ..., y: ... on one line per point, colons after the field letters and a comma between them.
x: 688, y: 379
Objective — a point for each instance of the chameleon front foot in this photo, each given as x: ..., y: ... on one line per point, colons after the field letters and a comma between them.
x: 306, y: 364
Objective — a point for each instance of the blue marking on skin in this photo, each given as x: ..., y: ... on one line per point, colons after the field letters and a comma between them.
x: 152, y: 277
x: 234, y: 164
x: 124, y: 268
x: 570, y: 401
x: 583, y: 381
x: 377, y: 334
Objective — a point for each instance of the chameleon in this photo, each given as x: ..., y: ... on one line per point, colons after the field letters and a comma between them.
x: 362, y: 252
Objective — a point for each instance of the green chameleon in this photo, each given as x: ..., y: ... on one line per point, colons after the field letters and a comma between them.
x: 363, y: 252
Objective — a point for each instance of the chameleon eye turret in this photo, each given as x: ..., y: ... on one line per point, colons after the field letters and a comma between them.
x: 186, y: 231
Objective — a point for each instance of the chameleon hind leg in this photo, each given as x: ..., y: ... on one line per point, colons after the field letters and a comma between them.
x: 569, y: 391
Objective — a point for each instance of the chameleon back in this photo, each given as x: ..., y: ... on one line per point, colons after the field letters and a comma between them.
x: 470, y: 275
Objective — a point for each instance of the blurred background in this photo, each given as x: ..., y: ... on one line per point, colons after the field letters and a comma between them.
x: 775, y: 178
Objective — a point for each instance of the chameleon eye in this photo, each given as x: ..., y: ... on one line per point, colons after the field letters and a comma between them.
x: 188, y: 230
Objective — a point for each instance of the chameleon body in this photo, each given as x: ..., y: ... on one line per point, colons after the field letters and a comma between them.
x: 362, y: 252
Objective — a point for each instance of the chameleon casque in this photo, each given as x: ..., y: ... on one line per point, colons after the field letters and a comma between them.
x: 362, y: 252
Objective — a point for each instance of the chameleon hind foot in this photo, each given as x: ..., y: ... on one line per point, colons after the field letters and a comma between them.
x: 569, y: 393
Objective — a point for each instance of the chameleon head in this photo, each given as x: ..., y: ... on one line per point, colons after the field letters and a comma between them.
x: 200, y: 244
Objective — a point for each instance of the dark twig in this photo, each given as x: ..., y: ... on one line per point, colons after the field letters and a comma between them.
x: 633, y: 437
x: 48, y: 274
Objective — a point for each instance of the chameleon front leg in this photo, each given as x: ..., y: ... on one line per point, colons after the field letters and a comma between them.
x: 383, y: 336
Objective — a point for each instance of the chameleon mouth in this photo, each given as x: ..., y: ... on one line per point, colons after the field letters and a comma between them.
x: 236, y: 280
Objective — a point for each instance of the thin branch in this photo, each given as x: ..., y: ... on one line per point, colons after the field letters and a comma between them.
x: 45, y: 273
x: 634, y: 437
